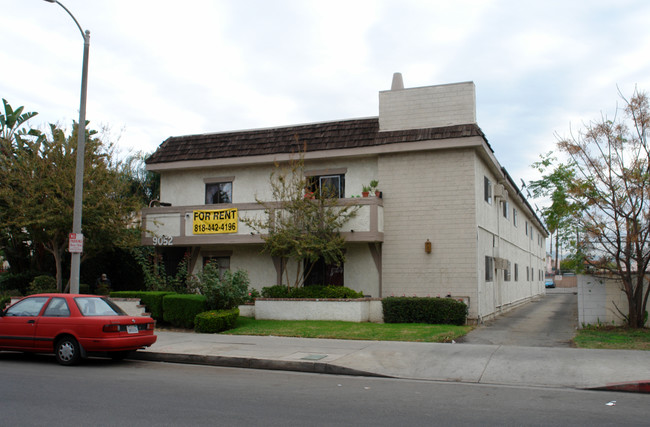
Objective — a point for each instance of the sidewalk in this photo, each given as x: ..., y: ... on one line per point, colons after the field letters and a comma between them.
x: 482, y: 364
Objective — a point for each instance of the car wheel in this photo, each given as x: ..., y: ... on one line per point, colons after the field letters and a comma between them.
x: 119, y: 355
x: 67, y: 351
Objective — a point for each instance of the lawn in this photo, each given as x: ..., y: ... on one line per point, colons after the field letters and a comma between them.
x: 613, y: 338
x: 349, y: 330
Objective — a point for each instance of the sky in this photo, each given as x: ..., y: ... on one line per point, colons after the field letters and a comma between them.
x: 161, y: 68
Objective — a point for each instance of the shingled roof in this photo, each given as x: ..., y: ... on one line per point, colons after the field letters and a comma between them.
x: 312, y: 137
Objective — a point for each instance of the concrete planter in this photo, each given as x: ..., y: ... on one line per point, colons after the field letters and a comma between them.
x: 348, y: 310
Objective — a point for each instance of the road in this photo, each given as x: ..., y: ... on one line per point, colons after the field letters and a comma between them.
x: 547, y: 322
x: 37, y: 392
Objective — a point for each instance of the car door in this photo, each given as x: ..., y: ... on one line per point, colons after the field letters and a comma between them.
x: 55, y: 317
x: 18, y: 324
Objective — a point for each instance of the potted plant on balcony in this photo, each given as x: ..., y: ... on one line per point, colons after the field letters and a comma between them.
x: 373, y: 187
x: 366, y: 191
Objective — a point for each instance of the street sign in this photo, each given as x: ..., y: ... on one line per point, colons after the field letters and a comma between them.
x: 76, y: 243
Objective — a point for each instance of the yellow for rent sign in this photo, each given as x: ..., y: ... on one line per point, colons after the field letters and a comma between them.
x: 215, y: 221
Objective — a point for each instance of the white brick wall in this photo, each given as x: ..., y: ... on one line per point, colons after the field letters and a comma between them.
x: 427, y: 107
x: 429, y: 195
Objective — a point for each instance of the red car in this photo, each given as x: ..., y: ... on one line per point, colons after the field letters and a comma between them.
x: 72, y: 326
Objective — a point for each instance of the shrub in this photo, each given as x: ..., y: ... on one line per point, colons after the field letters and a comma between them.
x: 19, y: 282
x: 42, y: 285
x: 4, y: 301
x: 180, y: 309
x: 214, y: 321
x: 441, y: 311
x: 222, y: 290
x: 152, y: 300
x: 340, y: 292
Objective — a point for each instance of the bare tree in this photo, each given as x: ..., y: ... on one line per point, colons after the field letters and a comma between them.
x: 612, y: 161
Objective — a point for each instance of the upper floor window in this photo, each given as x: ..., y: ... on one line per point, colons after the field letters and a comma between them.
x: 218, y: 190
x: 487, y: 189
x: 514, y: 216
x: 506, y: 209
x: 326, y: 182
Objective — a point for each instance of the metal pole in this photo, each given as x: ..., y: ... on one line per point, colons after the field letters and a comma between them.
x: 75, y: 264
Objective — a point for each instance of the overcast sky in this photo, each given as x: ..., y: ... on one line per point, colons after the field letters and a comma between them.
x: 161, y: 68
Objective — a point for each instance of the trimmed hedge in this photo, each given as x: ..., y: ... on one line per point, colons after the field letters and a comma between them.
x: 152, y: 300
x: 214, y: 321
x: 281, y: 291
x: 440, y: 311
x: 181, y: 309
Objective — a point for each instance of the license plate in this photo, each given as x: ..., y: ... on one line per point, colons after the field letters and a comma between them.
x: 132, y: 329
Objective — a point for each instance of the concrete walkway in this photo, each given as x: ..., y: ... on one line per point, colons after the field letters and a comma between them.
x: 471, y: 363
x: 549, y: 321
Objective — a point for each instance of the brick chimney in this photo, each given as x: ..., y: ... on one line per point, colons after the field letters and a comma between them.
x: 426, y: 107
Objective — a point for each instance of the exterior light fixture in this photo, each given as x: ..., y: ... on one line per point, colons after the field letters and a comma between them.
x: 427, y: 246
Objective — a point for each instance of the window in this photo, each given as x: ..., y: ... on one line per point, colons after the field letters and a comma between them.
x: 526, y: 228
x: 487, y: 190
x: 29, y: 307
x: 489, y: 269
x: 506, y: 272
x: 527, y: 274
x: 514, y: 216
x: 506, y: 209
x: 324, y: 274
x: 516, y: 272
x: 218, y: 192
x: 57, y: 308
x: 222, y: 261
x: 328, y: 185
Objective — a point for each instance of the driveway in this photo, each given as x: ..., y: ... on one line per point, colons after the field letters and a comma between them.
x: 550, y: 321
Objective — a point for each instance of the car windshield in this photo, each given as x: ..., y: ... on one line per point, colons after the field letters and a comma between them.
x: 96, y: 306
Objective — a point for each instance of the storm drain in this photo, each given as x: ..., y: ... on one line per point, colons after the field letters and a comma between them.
x: 314, y: 357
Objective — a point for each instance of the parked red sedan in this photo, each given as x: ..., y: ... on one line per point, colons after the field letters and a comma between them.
x: 72, y: 326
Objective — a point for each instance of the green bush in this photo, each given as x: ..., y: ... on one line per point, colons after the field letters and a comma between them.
x: 180, y: 309
x: 42, y: 285
x: 84, y: 289
x: 277, y: 291
x: 214, y: 321
x: 4, y: 301
x: 440, y: 311
x: 339, y: 292
x: 19, y: 282
x: 153, y: 300
x: 222, y: 290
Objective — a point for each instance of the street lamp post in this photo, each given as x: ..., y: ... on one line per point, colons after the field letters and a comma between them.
x: 75, y: 264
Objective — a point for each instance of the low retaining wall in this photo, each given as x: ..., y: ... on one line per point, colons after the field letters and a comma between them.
x: 349, y: 310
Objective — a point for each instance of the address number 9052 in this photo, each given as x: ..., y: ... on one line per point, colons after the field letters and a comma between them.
x: 163, y: 240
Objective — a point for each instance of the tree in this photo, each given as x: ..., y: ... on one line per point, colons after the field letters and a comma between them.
x: 301, y: 224
x: 559, y: 216
x: 37, y: 194
x: 14, y: 242
x: 144, y: 184
x: 612, y: 184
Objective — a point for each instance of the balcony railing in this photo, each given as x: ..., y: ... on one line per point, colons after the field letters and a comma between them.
x: 175, y: 225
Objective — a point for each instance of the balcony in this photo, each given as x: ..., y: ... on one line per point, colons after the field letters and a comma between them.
x: 175, y: 225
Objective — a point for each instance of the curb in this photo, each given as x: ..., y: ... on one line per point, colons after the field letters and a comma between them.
x: 252, y: 363
x: 630, y: 387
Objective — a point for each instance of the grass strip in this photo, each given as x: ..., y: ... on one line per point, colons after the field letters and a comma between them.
x: 613, y: 338
x: 416, y: 332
